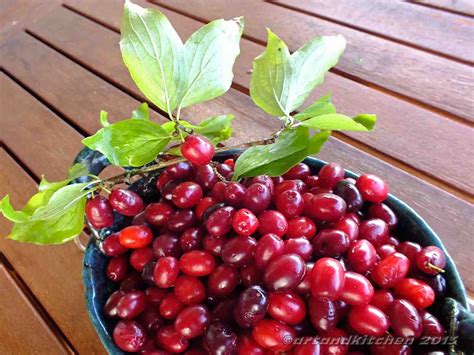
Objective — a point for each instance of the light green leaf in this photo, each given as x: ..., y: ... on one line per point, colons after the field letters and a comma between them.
x: 129, y: 142
x: 258, y: 160
x: 338, y: 122
x: 57, y: 230
x: 217, y: 128
x: 10, y: 213
x: 281, y: 82
x: 104, y: 118
x: 367, y: 120
x: 210, y: 53
x: 61, y: 200
x: 153, y: 53
x: 321, y: 106
x: 142, y: 112
x: 77, y: 170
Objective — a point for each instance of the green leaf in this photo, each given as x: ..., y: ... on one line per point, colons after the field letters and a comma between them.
x: 258, y: 160
x: 104, y: 118
x: 340, y: 122
x: 142, y: 112
x: 210, y: 53
x: 57, y: 230
x: 153, y: 53
x: 129, y: 142
x: 217, y: 128
x: 10, y: 213
x: 77, y: 170
x: 281, y: 82
x: 321, y: 106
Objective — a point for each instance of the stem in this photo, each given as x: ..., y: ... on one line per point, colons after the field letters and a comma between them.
x: 434, y: 267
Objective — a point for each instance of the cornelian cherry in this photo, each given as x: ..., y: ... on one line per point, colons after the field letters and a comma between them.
x: 197, y: 149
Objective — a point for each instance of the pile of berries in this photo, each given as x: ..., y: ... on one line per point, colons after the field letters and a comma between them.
x: 219, y: 267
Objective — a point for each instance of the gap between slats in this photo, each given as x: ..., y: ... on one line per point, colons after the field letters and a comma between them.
x: 439, y: 8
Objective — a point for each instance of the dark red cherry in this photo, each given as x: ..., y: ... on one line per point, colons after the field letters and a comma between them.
x: 432, y: 327
x: 112, y: 246
x: 268, y: 247
x: 170, y: 340
x: 234, y: 194
x: 205, y: 176
x: 110, y: 307
x: 191, y: 239
x: 330, y: 242
x: 225, y: 170
x: 296, y: 185
x: 431, y: 260
x: 385, y: 250
x: 257, y: 198
x: 130, y: 336
x: 197, y: 149
x: 301, y: 227
x: 368, y: 320
x: 272, y: 222
x: 323, y: 314
x: 219, y: 222
x: 157, y: 214
x: 372, y: 188
x: 265, y: 180
x: 404, y: 319
x: 382, y: 299
x: 140, y: 257
x: 327, y: 279
x: 251, y: 275
x: 287, y: 307
x: 166, y: 245
x: 126, y: 202
x: 151, y: 318
x: 348, y: 226
x: 170, y: 306
x: 166, y: 271
x: 197, y: 263
x: 330, y: 175
x: 246, y: 345
x: 349, y: 193
x: 326, y: 207
x: 357, y: 289
x: 219, y: 338
x: 390, y: 270
x: 273, y: 335
x: 217, y: 192
x: 284, y: 273
x: 117, y: 268
x: 385, y: 213
x: 187, y: 194
x: 180, y: 171
x: 189, y: 290
x: 375, y: 231
x: 415, y: 291
x: 251, y: 306
x: 131, y: 304
x: 181, y: 220
x: 223, y: 280
x: 410, y: 250
x: 239, y: 251
x: 99, y: 212
x: 290, y: 203
x: 192, y: 321
x: 300, y: 171
x: 203, y: 205
x: 244, y: 222
x: 213, y: 244
x: 300, y: 246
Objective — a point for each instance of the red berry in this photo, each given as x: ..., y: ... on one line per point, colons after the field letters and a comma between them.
x: 251, y: 306
x: 112, y: 246
x: 268, y: 247
x: 170, y: 306
x: 219, y: 223
x: 130, y: 336
x: 223, y: 280
x: 296, y: 185
x: 189, y: 290
x: 287, y: 307
x: 206, y: 176
x: 361, y: 256
x: 187, y: 194
x: 349, y: 193
x: 117, y: 268
x: 110, y: 307
x: 197, y: 149
x: 323, y: 314
x: 415, y: 291
x: 140, y: 257
x: 273, y: 335
x: 330, y: 242
x: 326, y: 207
x: 244, y: 222
x: 284, y: 273
x: 131, y: 304
x: 390, y: 270
x: 382, y: 299
x: 368, y: 320
x: 432, y: 327
x: 191, y: 239
x: 290, y: 203
x: 166, y: 245
x: 99, y: 212
x: 166, y: 272
x: 234, y: 194
x: 203, y: 205
x: 385, y: 250
x: 135, y: 237
x: 330, y: 175
x: 300, y: 171
x: 197, y: 263
x: 301, y: 227
x: 431, y: 260
x: 327, y: 279
x: 385, y: 213
x: 180, y: 171
x: 272, y: 222
x: 347, y: 225
x: 157, y: 214
x: 257, y: 198
x: 300, y: 246
x: 357, y: 290
x: 170, y: 340
x: 375, y: 231
x: 372, y: 188
x: 192, y: 321
x: 126, y: 202
x: 405, y: 320
x: 239, y: 251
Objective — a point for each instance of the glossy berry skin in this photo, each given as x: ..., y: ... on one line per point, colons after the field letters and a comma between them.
x: 157, y: 214
x: 330, y: 242
x: 140, y: 257
x: 217, y: 192
x: 287, y: 307
x: 257, y: 198
x: 170, y: 340
x: 272, y: 222
x: 301, y: 227
x: 327, y: 207
x: 251, y: 275
x: 385, y: 213
x: 436, y: 282
x: 203, y: 205
x: 213, y: 244
x: 372, y: 188
x: 189, y: 290
x: 432, y: 327
x: 166, y: 271
x: 361, y: 256
x: 244, y: 222
x: 307, y: 347
x: 219, y: 223
x: 251, y: 306
x: 135, y: 237
x: 327, y: 279
x: 155, y: 295
x: 247, y: 346
x: 180, y: 171
x: 99, y: 212
x: 405, y: 320
x: 330, y: 175
x: 239, y: 251
x: 268, y: 247
x: 151, y: 319
x: 220, y: 339
x: 300, y: 246
x: 296, y: 185
x: 133, y: 281
x: 131, y: 304
x: 390, y: 270
x: 284, y: 273
x: 385, y: 250
x: 225, y: 170
x: 264, y: 180
x: 205, y: 176
x: 110, y: 307
x: 234, y: 194
x: 415, y: 291
x: 187, y: 194
x: 430, y: 256
x: 300, y: 171
x: 349, y: 226
x: 304, y: 287
x: 147, y: 273
x: 223, y: 280
x: 290, y: 203
x: 191, y: 239
x: 170, y: 306
x: 335, y: 343
x: 273, y: 335
x: 192, y: 321
x: 375, y: 231
x: 166, y: 245
x: 130, y: 336
x: 197, y: 149
x: 117, y: 268
x: 126, y: 202
x: 357, y: 290
x: 323, y: 314
x: 197, y: 263
x: 382, y: 299
x: 112, y: 246
x: 350, y: 194
x: 368, y: 320
x: 410, y: 250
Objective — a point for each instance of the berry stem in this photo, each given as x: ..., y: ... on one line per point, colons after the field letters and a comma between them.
x: 434, y: 267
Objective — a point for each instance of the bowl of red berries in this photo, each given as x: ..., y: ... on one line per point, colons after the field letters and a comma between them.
x: 299, y: 264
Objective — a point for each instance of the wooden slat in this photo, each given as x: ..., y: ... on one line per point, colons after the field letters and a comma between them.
x: 432, y: 80
x: 23, y: 330
x: 53, y: 273
x: 434, y: 204
x: 414, y: 127
x: 444, y: 33
x: 465, y: 7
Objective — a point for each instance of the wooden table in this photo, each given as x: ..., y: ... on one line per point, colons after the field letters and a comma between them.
x: 408, y: 61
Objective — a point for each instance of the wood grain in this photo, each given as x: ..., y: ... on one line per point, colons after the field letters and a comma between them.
x: 23, y: 330
x: 465, y: 7
x: 414, y: 128
x: 419, y: 26
x: 429, y: 79
x: 432, y: 203
x: 53, y: 273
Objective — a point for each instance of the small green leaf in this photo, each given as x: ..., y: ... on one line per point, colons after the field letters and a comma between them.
x: 142, y: 112
x: 217, y: 128
x: 281, y: 82
x: 338, y: 122
x: 367, y: 120
x: 321, y: 106
x: 258, y: 160
x: 104, y: 118
x: 77, y: 170
x: 129, y: 142
x: 10, y: 213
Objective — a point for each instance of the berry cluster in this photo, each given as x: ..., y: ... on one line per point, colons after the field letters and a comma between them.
x: 218, y: 267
